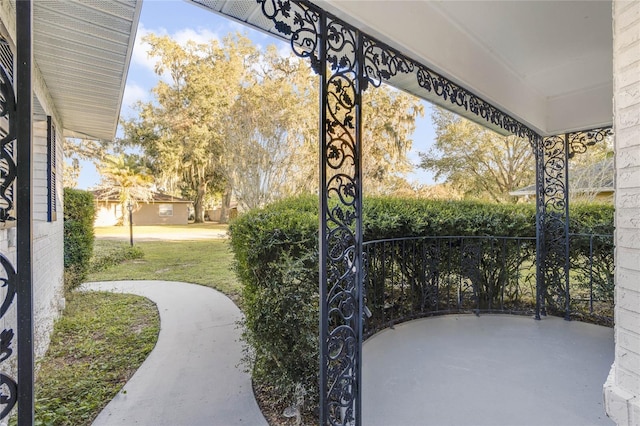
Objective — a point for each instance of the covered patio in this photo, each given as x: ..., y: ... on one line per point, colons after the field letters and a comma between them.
x: 539, y: 70
x: 467, y: 370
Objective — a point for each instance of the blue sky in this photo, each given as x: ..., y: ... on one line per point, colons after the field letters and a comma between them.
x: 183, y: 21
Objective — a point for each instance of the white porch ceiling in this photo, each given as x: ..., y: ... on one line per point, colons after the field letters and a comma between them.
x: 83, y: 49
x: 546, y: 63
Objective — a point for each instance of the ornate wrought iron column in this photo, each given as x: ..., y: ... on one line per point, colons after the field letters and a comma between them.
x: 552, y: 216
x: 335, y: 50
x: 341, y: 76
x: 552, y: 206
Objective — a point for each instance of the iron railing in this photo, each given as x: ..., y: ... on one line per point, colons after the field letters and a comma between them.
x: 408, y: 278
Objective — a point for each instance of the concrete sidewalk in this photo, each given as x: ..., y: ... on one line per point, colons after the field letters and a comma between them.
x: 192, y: 377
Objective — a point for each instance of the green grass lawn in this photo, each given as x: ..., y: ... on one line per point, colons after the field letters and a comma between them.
x: 102, y: 338
x: 97, y: 345
x: 205, y: 262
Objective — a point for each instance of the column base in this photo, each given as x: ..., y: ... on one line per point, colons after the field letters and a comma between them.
x: 621, y: 405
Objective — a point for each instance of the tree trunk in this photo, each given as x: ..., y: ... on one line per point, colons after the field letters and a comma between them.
x: 226, y: 203
x: 198, y: 204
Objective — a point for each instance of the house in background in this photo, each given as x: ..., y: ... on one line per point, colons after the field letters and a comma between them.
x: 594, y: 182
x: 162, y: 209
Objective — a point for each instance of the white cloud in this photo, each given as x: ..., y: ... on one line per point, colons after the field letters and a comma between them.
x: 132, y: 94
x: 140, y: 56
x: 201, y: 35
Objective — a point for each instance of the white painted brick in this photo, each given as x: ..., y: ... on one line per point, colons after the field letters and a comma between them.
x: 627, y: 55
x: 629, y: 341
x: 627, y: 138
x: 628, y: 96
x: 624, y: 77
x: 627, y: 157
x: 626, y: 278
x: 634, y: 412
x: 627, y: 198
x: 628, y: 238
x: 628, y: 177
x: 627, y: 379
x: 628, y: 117
x: 628, y: 218
x: 629, y: 360
x: 626, y: 15
x: 628, y: 316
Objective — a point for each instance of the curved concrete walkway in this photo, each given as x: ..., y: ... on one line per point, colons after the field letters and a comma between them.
x: 463, y: 370
x: 192, y: 376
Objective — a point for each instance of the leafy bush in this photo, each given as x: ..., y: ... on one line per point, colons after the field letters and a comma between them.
x: 79, y: 215
x: 386, y: 217
x: 276, y: 260
x: 591, y: 255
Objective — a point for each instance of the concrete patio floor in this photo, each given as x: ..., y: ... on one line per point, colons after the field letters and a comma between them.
x: 488, y: 370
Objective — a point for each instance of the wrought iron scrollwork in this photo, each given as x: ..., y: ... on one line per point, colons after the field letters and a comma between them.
x: 8, y: 169
x: 334, y: 49
x: 8, y: 172
x: 553, y: 293
x: 341, y: 223
x: 8, y: 386
x: 579, y: 142
x: 381, y: 63
x: 300, y: 23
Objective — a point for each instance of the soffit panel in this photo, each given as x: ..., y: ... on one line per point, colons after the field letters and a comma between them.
x: 83, y: 49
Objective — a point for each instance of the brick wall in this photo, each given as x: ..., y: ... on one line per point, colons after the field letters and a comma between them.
x: 622, y: 390
x: 48, y: 248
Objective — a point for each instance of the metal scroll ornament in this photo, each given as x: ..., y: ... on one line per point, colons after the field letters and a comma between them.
x: 334, y: 50
x: 342, y: 223
x: 8, y: 169
x: 8, y: 386
x: 555, y: 226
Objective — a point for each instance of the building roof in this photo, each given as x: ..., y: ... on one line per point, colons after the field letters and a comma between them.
x: 82, y: 50
x: 157, y: 197
x: 595, y: 178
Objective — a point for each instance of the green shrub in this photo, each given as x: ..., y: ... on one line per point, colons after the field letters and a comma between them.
x: 276, y: 260
x: 591, y: 256
x: 79, y: 215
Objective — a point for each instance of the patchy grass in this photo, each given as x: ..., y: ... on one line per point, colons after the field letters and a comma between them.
x: 96, y: 347
x: 103, y: 338
x: 205, y: 262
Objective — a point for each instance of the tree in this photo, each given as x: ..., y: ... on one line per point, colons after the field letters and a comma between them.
x: 80, y: 149
x: 274, y: 121
x: 477, y: 161
x: 230, y: 118
x: 125, y: 178
x: 181, y: 130
x: 388, y: 117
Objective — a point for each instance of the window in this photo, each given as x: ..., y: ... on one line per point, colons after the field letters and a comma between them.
x: 165, y: 209
x: 51, y: 171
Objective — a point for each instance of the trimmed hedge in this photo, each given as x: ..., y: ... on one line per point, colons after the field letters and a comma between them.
x: 276, y: 259
x: 79, y: 215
